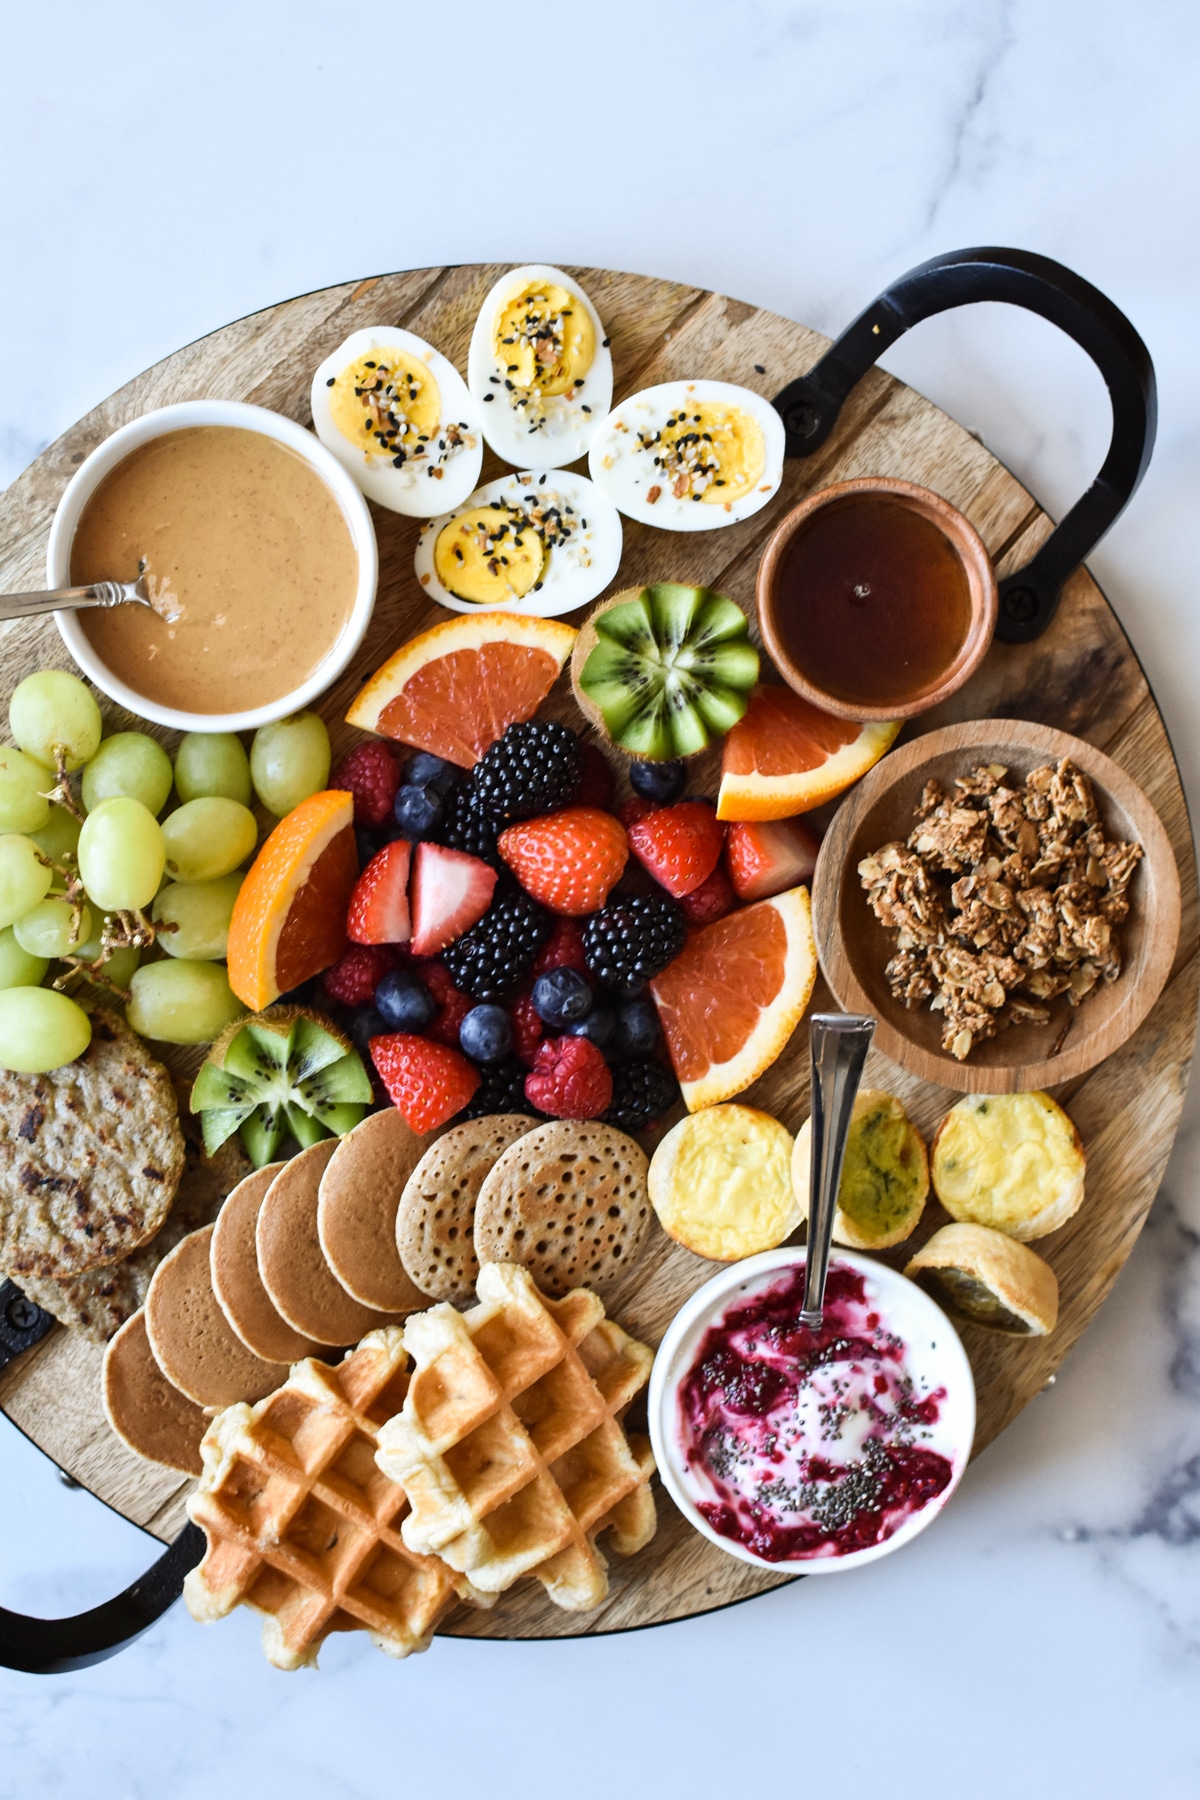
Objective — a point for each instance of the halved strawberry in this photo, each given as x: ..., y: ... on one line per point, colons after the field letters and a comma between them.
x: 678, y: 845
x: 767, y: 858
x: 379, y: 904
x: 427, y: 1082
x: 451, y: 891
x: 569, y: 860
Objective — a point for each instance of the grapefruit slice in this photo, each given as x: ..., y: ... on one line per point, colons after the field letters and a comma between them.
x: 734, y: 995
x: 456, y: 688
x: 787, y: 756
x: 289, y: 919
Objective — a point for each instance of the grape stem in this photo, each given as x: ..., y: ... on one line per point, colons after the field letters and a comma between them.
x: 60, y: 794
x: 128, y: 929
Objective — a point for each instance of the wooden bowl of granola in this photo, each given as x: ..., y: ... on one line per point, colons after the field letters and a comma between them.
x: 982, y: 893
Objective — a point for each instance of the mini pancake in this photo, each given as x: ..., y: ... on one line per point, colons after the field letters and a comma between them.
x: 435, y: 1226
x: 989, y: 1279
x: 291, y: 1263
x: 569, y: 1202
x: 236, y: 1280
x: 721, y: 1183
x: 147, y: 1413
x: 356, y: 1212
x: 193, y: 1342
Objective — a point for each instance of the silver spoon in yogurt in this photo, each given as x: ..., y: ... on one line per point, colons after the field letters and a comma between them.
x: 838, y: 1043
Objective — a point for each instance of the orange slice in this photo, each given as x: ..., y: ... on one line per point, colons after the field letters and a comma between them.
x: 734, y: 995
x: 289, y: 919
x: 455, y: 689
x: 786, y: 756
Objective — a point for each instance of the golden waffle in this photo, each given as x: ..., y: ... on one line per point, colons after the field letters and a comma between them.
x: 509, y: 1444
x: 301, y: 1523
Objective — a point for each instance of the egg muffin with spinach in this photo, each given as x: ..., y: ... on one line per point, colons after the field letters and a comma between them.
x: 885, y: 1177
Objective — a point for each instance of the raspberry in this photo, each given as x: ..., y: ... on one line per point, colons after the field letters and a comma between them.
x: 596, y: 788
x: 570, y: 1080
x: 711, y: 900
x: 528, y: 1029
x: 427, y: 1083
x: 630, y: 811
x: 453, y: 1006
x: 354, y: 976
x: 372, y: 774
x: 563, y: 949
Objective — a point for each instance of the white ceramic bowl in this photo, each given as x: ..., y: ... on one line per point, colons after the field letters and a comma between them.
x: 234, y: 413
x: 935, y: 1357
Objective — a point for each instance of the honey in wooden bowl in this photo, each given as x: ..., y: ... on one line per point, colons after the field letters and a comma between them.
x: 876, y: 599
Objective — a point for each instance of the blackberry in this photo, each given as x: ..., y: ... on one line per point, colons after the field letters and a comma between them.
x: 502, y: 1090
x: 465, y: 827
x: 642, y: 1092
x: 534, y: 768
x: 492, y: 957
x: 629, y: 941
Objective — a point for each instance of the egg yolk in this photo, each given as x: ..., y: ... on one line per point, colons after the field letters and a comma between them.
x: 708, y: 452
x: 543, y: 338
x: 489, y: 554
x: 387, y: 404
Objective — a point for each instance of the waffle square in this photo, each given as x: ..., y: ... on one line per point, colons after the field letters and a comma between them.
x: 304, y: 1526
x: 510, y: 1445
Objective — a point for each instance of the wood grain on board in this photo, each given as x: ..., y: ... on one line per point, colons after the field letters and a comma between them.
x: 1081, y: 676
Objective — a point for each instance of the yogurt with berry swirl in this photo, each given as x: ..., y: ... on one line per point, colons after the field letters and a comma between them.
x: 830, y: 1447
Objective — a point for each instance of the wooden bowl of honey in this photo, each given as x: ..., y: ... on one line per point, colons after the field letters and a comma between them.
x: 876, y: 599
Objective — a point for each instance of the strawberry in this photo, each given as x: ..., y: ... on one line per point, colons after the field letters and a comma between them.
x: 355, y: 974
x: 453, y: 1006
x: 451, y: 891
x: 570, y: 1080
x: 678, y: 845
x: 372, y: 774
x: 630, y: 811
x: 528, y: 1029
x: 563, y: 949
x: 711, y: 900
x: 596, y: 787
x: 379, y: 904
x: 427, y: 1083
x: 569, y: 860
x: 767, y: 858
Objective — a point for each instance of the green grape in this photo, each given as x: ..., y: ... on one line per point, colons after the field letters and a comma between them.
x: 121, y: 853
x: 182, y: 1002
x: 132, y: 765
x: 289, y: 761
x: 40, y: 1029
x: 49, y: 929
x: 212, y: 763
x: 59, y: 836
x: 201, y: 911
x: 24, y: 880
x: 209, y: 837
x: 17, y: 967
x: 23, y: 803
x: 54, y: 711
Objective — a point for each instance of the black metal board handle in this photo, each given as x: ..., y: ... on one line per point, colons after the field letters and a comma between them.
x: 54, y: 1646
x: 810, y: 406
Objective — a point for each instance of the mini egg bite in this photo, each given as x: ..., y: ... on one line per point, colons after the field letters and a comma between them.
x: 535, y: 543
x: 539, y: 367
x: 689, y: 455
x: 399, y: 417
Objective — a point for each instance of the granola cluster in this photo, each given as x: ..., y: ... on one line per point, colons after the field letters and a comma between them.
x: 1004, y: 897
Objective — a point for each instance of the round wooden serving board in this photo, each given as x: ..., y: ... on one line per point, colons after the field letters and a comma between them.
x: 1082, y: 676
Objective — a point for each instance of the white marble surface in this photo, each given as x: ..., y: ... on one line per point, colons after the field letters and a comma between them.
x: 166, y: 170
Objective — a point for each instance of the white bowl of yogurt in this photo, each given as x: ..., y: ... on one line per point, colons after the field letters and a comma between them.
x: 822, y: 1451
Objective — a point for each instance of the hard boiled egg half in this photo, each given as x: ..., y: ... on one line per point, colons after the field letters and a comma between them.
x: 689, y: 455
x: 540, y: 367
x: 532, y: 543
x: 399, y: 416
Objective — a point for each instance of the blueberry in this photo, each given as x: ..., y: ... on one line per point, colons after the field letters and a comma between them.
x: 661, y: 782
x: 597, y: 1028
x: 636, y: 1031
x: 418, y: 811
x: 369, y: 841
x: 486, y: 1034
x: 368, y: 1022
x: 426, y: 770
x: 404, y: 1001
x: 561, y: 996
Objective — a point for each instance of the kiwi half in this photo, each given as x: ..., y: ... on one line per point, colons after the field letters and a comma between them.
x: 662, y: 670
x: 284, y: 1073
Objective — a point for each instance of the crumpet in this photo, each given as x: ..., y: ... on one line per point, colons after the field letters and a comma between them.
x: 435, y: 1226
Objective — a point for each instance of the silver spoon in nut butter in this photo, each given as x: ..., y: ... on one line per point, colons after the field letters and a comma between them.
x: 73, y: 599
